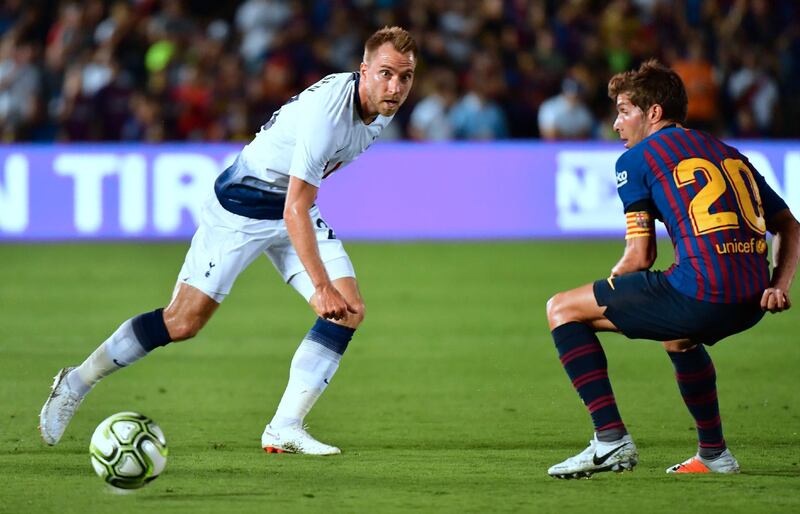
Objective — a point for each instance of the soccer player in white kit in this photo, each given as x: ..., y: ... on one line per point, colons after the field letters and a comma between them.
x: 264, y: 204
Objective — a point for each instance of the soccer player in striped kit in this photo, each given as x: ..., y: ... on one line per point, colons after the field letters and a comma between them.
x: 717, y: 209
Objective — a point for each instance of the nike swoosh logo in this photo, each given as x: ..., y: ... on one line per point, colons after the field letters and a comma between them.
x: 602, y: 458
x: 118, y: 363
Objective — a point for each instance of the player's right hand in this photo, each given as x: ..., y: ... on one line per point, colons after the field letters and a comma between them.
x: 329, y: 303
x: 775, y: 300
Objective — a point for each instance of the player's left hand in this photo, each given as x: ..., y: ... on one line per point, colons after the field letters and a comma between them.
x: 775, y: 300
x: 329, y: 303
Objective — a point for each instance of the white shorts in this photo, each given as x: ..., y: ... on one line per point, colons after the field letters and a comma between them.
x: 225, y: 244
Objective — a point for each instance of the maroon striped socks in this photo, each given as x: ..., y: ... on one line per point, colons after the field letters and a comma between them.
x: 585, y: 362
x: 697, y: 382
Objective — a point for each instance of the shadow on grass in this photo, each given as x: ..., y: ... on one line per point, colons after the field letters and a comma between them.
x: 793, y: 472
x: 50, y: 469
x: 48, y: 451
x: 188, y: 496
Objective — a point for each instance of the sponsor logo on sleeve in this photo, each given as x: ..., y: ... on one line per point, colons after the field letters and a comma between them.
x: 622, y: 178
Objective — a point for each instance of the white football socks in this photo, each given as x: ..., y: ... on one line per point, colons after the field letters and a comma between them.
x: 312, y: 368
x: 116, y: 352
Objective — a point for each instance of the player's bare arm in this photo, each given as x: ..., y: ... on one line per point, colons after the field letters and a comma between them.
x: 640, y: 244
x: 639, y: 255
x: 327, y: 302
x: 786, y: 252
x: 580, y: 304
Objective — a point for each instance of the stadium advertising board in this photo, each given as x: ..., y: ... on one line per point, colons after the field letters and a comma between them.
x: 392, y: 192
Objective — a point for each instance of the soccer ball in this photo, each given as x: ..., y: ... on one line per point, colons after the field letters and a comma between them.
x: 128, y: 450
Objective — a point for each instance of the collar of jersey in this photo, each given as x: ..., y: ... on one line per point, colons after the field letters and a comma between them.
x: 656, y: 133
x: 357, y: 98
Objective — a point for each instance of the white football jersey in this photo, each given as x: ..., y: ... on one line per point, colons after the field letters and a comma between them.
x: 315, y: 133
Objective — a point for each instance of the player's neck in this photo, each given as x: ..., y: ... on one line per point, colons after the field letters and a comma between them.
x: 661, y: 124
x: 366, y: 114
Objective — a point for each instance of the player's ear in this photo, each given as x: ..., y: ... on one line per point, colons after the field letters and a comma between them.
x: 655, y: 113
x: 363, y: 69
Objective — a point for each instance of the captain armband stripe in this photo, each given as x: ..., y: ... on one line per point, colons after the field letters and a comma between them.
x: 639, y: 224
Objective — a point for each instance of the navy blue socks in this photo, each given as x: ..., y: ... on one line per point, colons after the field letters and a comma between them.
x: 330, y: 335
x: 697, y: 382
x: 150, y: 330
x: 585, y: 362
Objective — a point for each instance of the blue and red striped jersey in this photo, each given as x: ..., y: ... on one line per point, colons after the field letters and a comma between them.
x: 714, y: 205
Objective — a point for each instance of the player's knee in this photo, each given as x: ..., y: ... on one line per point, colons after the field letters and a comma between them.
x: 557, y: 309
x: 181, y: 329
x: 356, y: 318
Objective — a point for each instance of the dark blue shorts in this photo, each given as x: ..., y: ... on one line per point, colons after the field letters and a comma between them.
x: 644, y: 305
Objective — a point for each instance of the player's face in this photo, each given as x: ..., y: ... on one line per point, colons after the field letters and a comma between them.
x: 387, y: 80
x: 630, y: 123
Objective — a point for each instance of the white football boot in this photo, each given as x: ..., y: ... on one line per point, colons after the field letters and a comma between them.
x: 725, y: 463
x: 294, y: 439
x: 619, y: 455
x: 59, y: 408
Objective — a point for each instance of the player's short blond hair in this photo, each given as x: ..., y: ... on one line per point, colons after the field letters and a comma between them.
x: 400, y: 39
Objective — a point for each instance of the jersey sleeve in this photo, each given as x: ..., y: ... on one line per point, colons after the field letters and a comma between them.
x: 632, y: 187
x: 315, y: 142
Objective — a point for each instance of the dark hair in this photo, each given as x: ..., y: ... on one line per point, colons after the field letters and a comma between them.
x: 400, y: 39
x: 653, y: 83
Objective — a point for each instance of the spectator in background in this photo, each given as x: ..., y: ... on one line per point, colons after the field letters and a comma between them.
x: 145, y: 121
x: 97, y: 71
x: 76, y: 109
x: 534, y: 45
x: 619, y: 29
x: 10, y: 13
x: 259, y: 22
x: 19, y: 88
x: 752, y: 89
x: 113, y: 100
x: 459, y: 26
x: 68, y: 38
x: 344, y: 41
x: 229, y: 101
x: 192, y: 101
x: 552, y: 63
x: 565, y: 116
x: 430, y: 118
x: 698, y: 76
x: 234, y: 125
x: 277, y: 78
x: 477, y: 115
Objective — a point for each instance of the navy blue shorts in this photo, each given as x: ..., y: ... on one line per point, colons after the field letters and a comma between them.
x: 644, y: 305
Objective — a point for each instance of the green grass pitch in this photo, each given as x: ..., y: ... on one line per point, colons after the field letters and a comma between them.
x: 450, y: 398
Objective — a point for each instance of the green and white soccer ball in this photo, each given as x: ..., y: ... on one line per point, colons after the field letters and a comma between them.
x: 128, y: 450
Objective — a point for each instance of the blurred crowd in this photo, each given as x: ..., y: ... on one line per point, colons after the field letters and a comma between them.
x: 172, y: 70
